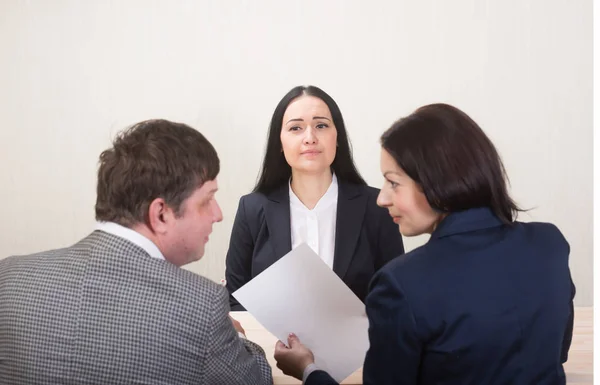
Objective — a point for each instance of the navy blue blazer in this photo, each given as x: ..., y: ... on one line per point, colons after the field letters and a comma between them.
x: 480, y: 303
x: 366, y: 237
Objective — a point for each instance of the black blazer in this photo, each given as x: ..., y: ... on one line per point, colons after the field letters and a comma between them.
x: 480, y: 303
x: 366, y: 237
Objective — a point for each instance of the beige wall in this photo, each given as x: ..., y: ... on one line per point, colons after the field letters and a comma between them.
x: 75, y: 72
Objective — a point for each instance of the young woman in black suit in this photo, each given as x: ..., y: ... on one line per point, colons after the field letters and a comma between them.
x: 309, y: 190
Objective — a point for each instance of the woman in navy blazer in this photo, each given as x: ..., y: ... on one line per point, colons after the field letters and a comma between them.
x: 487, y: 300
x: 308, y: 165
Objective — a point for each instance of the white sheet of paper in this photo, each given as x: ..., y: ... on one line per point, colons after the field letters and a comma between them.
x: 299, y: 293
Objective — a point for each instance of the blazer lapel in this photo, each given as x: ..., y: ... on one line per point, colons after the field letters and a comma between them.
x: 351, y: 208
x: 277, y: 214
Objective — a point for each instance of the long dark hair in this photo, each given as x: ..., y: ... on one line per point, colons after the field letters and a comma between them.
x: 449, y: 156
x: 276, y: 171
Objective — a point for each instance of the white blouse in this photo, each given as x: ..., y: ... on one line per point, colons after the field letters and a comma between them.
x: 316, y: 227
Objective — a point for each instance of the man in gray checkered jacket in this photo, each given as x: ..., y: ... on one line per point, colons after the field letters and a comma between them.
x: 116, y: 308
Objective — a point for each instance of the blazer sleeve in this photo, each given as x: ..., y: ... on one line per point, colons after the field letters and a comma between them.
x: 238, y: 263
x: 231, y: 359
x: 389, y: 243
x: 568, y: 337
x: 395, y: 348
x: 320, y: 377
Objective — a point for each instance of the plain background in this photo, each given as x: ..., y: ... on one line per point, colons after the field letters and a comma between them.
x: 74, y: 73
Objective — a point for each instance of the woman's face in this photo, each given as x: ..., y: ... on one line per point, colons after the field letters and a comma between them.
x: 405, y: 200
x: 308, y: 135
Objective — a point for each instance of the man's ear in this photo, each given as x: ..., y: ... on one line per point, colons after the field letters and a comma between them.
x: 160, y: 216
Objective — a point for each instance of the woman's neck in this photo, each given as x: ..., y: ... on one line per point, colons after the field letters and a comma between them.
x: 309, y: 188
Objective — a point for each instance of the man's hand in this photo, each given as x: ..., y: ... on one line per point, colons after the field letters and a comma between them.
x: 238, y: 326
x: 293, y: 360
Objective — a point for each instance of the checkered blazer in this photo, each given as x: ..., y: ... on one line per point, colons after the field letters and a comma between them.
x: 105, y: 312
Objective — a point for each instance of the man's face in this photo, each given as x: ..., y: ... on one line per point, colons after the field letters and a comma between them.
x: 188, y: 233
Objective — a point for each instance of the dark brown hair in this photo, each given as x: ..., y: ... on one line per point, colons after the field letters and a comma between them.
x: 152, y: 159
x: 449, y: 156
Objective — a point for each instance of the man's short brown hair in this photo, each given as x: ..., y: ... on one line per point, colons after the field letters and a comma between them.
x: 152, y: 159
